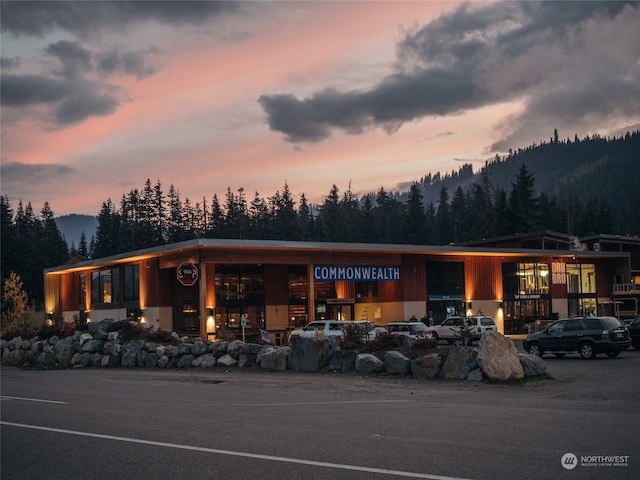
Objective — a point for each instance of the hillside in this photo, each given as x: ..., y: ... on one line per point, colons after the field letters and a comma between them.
x: 72, y: 226
x: 589, y: 168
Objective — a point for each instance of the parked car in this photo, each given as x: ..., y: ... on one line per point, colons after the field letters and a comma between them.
x: 588, y: 336
x: 450, y: 329
x: 634, y: 332
x: 333, y: 328
x: 415, y: 330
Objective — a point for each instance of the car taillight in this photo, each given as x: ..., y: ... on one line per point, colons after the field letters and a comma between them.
x: 605, y: 334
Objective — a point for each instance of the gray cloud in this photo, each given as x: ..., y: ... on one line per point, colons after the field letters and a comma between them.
x: 128, y: 63
x: 544, y: 54
x: 88, y: 19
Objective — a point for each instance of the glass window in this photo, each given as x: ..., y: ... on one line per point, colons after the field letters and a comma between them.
x: 445, y: 278
x: 131, y: 281
x: 101, y: 287
x: 525, y: 278
x: 581, y: 278
x: 239, y: 285
x: 83, y: 289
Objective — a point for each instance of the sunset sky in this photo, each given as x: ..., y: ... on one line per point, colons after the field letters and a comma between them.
x: 99, y: 96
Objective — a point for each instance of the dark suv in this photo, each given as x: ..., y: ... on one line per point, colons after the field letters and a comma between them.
x: 588, y: 336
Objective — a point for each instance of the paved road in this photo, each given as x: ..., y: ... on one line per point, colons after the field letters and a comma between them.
x: 136, y: 424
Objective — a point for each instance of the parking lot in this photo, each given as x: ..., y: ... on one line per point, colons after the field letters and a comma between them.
x: 144, y: 424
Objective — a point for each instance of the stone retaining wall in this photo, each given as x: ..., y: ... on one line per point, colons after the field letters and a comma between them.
x: 495, y: 358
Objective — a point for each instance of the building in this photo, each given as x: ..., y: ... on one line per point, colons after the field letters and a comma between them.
x: 205, y: 287
x: 625, y: 294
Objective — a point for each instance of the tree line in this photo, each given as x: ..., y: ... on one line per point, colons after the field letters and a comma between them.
x: 149, y: 217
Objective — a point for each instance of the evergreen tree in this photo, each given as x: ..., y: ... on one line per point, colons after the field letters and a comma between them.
x: 416, y: 219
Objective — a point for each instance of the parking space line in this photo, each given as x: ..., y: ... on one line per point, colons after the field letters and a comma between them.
x: 6, y: 397
x: 256, y: 456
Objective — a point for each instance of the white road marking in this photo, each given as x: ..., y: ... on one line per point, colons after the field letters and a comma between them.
x: 5, y: 397
x: 318, y: 403
x: 340, y: 466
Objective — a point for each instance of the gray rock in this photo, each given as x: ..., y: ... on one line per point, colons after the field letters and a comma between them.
x: 53, y: 340
x: 395, y: 363
x: 64, y: 350
x: 220, y: 348
x: 458, y: 363
x: 185, y: 348
x: 185, y: 361
x: 160, y: 349
x: 367, y: 363
x: 130, y: 351
x: 171, y: 351
x: 532, y: 365
x: 198, y: 348
x: 207, y: 360
x: 227, y: 360
x: 151, y: 360
x: 498, y: 357
x: 253, y: 348
x: 273, y: 358
x: 426, y: 366
x: 85, y: 337
x: 343, y: 360
x: 92, y: 346
x: 235, y: 348
x: 312, y: 354
x: 475, y: 375
x: 163, y: 361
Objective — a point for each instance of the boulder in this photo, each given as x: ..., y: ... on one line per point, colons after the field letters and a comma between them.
x: 343, y: 360
x: 227, y: 360
x: 198, y: 348
x: 92, y: 346
x: 426, y: 366
x: 64, y: 352
x: 207, y: 360
x: 220, y: 348
x: 367, y: 363
x: 235, y: 348
x: 475, y: 375
x: 532, y: 365
x: 185, y: 361
x: 395, y: 363
x: 312, y: 354
x: 498, y: 357
x: 163, y: 361
x: 130, y: 351
x: 458, y: 363
x: 185, y: 349
x: 273, y: 358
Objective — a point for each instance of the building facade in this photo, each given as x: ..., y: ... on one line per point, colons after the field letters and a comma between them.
x: 205, y: 287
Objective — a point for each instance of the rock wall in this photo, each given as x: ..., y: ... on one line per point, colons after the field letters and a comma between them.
x: 104, y: 347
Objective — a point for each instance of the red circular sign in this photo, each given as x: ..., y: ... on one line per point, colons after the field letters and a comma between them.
x: 187, y: 274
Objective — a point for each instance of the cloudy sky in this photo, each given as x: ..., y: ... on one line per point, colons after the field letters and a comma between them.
x: 99, y: 96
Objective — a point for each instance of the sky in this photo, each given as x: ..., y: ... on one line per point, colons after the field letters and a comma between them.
x: 97, y: 97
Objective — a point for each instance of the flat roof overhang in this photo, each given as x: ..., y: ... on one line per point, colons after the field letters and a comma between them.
x: 317, y: 247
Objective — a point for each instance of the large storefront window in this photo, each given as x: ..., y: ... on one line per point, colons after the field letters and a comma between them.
x: 527, y: 296
x: 581, y: 288
x: 445, y: 290
x: 102, y: 287
x: 240, y: 292
x: 131, y: 283
x: 298, y: 296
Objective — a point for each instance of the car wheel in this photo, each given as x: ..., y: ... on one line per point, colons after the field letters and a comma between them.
x: 435, y: 336
x: 559, y: 355
x: 613, y: 353
x: 587, y: 350
x: 636, y: 345
x: 535, y: 349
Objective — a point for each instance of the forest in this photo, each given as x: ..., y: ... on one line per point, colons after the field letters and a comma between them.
x: 590, y: 186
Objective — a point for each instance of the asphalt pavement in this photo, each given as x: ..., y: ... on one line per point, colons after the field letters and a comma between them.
x: 581, y: 422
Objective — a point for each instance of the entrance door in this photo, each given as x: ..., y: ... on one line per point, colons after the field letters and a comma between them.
x: 341, y: 311
x: 186, y: 308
